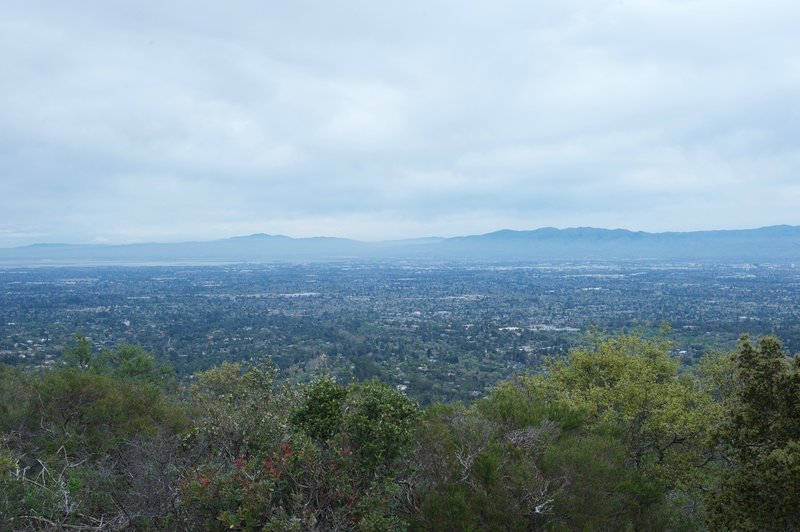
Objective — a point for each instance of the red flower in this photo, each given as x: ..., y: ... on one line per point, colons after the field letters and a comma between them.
x: 286, y: 449
x: 271, y: 468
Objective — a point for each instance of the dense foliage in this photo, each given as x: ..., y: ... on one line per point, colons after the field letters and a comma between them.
x: 618, y: 435
x: 759, y: 438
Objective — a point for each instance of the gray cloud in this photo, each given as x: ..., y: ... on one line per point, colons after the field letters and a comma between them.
x: 136, y: 121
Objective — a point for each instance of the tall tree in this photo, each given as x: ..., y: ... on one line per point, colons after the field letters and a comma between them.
x: 759, y: 439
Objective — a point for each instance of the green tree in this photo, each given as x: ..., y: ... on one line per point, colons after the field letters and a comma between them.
x: 132, y: 362
x: 322, y: 409
x: 78, y: 351
x: 613, y: 437
x: 759, y: 438
x: 378, y: 423
x: 241, y: 410
x: 634, y: 385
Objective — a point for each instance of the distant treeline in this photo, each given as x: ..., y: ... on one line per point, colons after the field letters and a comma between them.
x: 618, y: 436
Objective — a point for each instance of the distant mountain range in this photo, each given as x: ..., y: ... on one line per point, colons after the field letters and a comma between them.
x: 779, y: 244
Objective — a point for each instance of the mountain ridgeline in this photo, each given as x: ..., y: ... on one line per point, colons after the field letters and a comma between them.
x: 779, y: 244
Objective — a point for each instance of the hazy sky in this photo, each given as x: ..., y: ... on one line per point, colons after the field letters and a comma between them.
x: 161, y: 121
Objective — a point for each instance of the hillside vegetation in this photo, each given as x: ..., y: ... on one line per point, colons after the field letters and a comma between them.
x: 616, y: 436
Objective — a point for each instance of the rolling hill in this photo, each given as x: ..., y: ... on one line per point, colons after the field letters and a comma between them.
x: 768, y: 244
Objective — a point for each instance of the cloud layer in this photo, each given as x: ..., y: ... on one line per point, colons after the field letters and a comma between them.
x: 135, y: 121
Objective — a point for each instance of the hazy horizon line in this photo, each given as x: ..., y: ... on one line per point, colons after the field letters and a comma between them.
x: 377, y: 240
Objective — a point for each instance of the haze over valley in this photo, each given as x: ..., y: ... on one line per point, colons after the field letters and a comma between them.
x: 769, y: 244
x: 400, y: 266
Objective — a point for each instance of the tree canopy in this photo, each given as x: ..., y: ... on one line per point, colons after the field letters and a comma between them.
x: 617, y: 435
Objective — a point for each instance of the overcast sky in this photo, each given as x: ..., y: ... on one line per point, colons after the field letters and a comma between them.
x: 163, y: 121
